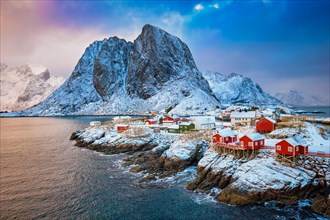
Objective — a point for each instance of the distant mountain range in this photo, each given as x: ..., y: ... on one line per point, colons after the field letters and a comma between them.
x: 154, y: 73
x: 25, y: 86
x: 297, y: 98
x: 235, y: 89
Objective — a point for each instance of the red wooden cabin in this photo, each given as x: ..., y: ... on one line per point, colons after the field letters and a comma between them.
x: 265, y: 125
x: 121, y: 127
x: 170, y: 120
x: 252, y: 141
x: 150, y: 122
x: 224, y: 136
x: 290, y: 147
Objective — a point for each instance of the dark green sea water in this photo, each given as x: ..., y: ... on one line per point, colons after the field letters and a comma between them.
x: 44, y: 176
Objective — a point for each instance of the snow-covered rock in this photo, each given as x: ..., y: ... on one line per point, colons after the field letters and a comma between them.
x: 25, y: 86
x: 113, y: 76
x: 251, y: 181
x: 235, y: 89
x: 181, y: 150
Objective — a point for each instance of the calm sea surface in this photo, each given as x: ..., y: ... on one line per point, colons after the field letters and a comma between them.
x: 325, y: 110
x: 43, y: 176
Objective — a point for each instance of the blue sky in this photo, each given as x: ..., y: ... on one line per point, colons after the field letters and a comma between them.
x: 280, y: 44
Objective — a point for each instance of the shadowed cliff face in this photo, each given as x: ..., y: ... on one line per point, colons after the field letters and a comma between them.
x: 110, y: 67
x: 156, y: 58
x: 113, y: 76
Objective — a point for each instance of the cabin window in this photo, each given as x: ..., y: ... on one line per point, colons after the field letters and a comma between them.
x: 226, y: 139
x: 250, y: 144
x: 221, y: 139
x: 278, y: 147
x: 289, y: 149
x: 297, y: 148
x: 214, y: 139
x: 261, y: 142
x: 242, y: 143
x: 256, y: 143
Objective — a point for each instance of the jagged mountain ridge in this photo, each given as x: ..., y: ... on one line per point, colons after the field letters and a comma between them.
x: 25, y: 86
x: 297, y: 98
x: 113, y: 76
x: 235, y: 89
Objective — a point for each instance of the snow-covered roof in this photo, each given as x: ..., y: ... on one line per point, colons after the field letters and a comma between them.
x: 255, y: 136
x: 292, y: 142
x: 243, y: 114
x: 270, y: 119
x: 295, y: 141
x: 227, y: 133
x: 151, y: 120
x: 121, y: 125
x: 204, y: 119
x: 185, y: 123
x: 173, y: 127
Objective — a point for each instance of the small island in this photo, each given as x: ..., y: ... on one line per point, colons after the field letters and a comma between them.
x: 238, y: 162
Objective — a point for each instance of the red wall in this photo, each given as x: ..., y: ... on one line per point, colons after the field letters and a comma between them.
x: 284, y: 148
x: 216, y: 139
x: 245, y: 139
x: 263, y: 125
x: 149, y: 122
x: 303, y: 149
x: 122, y: 128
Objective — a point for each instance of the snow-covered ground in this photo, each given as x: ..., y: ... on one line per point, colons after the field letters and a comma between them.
x: 316, y: 143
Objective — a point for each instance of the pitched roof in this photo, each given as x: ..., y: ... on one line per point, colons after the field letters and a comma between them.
x: 292, y: 142
x: 185, y: 123
x: 255, y: 136
x: 173, y: 127
x: 204, y: 119
x: 227, y: 133
x: 295, y: 141
x: 243, y: 114
x: 121, y: 125
x: 151, y: 120
x: 270, y: 119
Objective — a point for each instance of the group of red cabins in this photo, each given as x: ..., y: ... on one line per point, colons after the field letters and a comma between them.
x: 228, y: 138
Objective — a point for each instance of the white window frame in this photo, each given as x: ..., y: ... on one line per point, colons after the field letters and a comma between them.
x: 289, y: 149
x: 250, y: 144
x: 278, y: 147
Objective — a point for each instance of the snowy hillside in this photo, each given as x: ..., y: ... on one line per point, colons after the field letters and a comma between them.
x: 156, y: 72
x: 237, y: 89
x: 26, y: 86
x: 297, y: 98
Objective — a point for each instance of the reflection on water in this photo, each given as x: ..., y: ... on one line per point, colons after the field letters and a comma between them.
x: 44, y: 176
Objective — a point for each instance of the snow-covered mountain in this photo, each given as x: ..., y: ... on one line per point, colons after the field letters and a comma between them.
x: 156, y: 72
x: 25, y: 86
x: 238, y: 90
x: 297, y: 98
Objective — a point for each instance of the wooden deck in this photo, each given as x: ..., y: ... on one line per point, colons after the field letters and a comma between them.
x: 221, y: 148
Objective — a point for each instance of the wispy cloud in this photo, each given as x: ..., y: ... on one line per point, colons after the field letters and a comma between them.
x: 199, y: 7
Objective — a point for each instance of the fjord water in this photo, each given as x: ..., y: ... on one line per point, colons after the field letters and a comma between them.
x: 44, y: 176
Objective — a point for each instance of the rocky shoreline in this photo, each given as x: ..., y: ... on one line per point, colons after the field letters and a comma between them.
x: 237, y: 181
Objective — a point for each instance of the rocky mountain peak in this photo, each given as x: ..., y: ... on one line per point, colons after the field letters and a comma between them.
x: 26, y: 86
x: 156, y: 59
x: 238, y: 89
x: 155, y: 72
